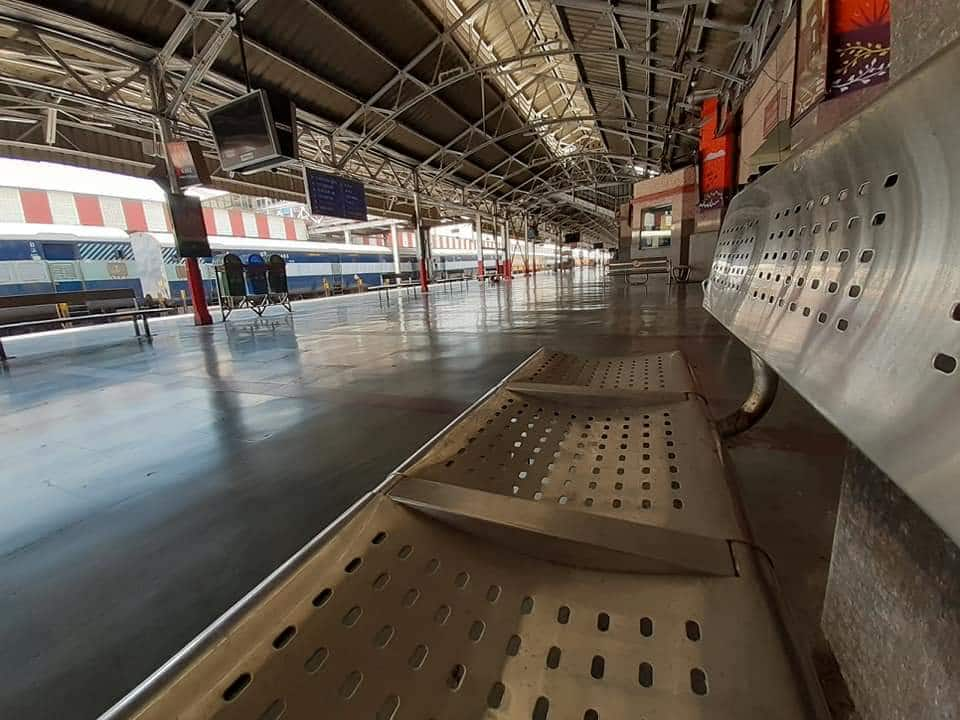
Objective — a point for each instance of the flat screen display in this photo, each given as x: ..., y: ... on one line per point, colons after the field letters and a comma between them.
x: 254, y: 132
x: 189, y: 230
x: 335, y: 196
x: 571, y: 237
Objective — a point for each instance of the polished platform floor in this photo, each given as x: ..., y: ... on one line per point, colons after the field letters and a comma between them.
x: 148, y: 485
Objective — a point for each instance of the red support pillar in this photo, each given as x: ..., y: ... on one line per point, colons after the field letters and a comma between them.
x: 198, y: 298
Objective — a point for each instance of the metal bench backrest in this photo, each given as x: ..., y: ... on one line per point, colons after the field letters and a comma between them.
x: 70, y: 298
x: 641, y: 265
x: 841, y: 269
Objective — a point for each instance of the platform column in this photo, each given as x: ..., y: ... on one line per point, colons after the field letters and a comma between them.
x: 526, y: 244
x: 508, y: 252
x: 479, y: 232
x: 423, y: 245
x: 198, y: 298
x: 395, y: 243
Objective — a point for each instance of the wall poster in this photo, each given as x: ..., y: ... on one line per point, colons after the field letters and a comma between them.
x: 811, y: 67
x: 859, y: 44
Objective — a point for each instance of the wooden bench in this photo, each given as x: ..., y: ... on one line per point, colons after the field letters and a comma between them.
x: 86, y: 299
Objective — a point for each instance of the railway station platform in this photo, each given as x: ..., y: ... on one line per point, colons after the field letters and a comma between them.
x: 149, y: 486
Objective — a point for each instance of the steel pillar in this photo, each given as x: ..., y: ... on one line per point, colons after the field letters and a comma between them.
x: 423, y: 245
x: 479, y: 231
x: 395, y: 243
x: 198, y: 298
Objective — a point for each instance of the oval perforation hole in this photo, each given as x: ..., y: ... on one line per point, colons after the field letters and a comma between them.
x: 553, y: 657
x: 442, y: 615
x: 493, y: 593
x: 418, y: 657
x: 384, y: 636
x: 276, y: 710
x: 541, y: 708
x: 597, y: 667
x: 563, y: 615
x: 513, y: 645
x: 353, y: 614
x: 477, y: 628
x: 495, y: 696
x: 591, y: 714
x: 379, y: 538
x: 322, y: 597
x: 698, y: 681
x: 646, y: 627
x: 388, y: 710
x: 317, y: 660
x: 878, y: 219
x: 945, y: 363
x: 456, y: 676
x: 284, y: 637
x: 351, y: 683
x: 405, y: 552
x: 353, y: 565
x: 645, y: 675
x: 891, y: 180
x: 526, y: 605
x: 236, y: 687
x: 693, y: 630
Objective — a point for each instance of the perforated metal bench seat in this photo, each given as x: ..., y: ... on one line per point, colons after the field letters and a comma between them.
x: 560, y: 552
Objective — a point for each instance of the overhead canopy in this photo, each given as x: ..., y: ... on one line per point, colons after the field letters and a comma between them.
x: 548, y: 107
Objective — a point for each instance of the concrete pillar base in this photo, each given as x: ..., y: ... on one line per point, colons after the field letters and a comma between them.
x: 892, y: 607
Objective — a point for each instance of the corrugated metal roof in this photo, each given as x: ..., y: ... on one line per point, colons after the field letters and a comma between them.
x: 520, y: 85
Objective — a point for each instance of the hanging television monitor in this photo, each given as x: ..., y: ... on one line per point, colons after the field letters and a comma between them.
x: 255, y: 132
x: 571, y: 238
x: 189, y: 230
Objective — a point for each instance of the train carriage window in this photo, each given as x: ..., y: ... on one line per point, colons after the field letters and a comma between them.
x: 59, y: 251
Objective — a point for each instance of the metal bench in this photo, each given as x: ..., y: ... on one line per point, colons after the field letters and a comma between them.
x: 86, y: 299
x: 572, y: 544
x: 641, y: 269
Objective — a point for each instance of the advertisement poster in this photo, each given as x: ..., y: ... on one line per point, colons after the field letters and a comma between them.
x: 859, y: 44
x: 811, y: 67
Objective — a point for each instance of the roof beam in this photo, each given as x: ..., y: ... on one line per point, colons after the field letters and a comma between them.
x: 632, y: 11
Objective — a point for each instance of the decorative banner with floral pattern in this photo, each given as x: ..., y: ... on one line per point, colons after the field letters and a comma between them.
x: 859, y: 44
x: 811, y: 69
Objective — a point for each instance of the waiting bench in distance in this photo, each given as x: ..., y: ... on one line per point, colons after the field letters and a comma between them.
x: 95, y: 306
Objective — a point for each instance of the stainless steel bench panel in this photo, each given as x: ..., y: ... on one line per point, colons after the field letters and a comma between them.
x: 398, y: 613
x: 446, y: 598
x: 659, y: 464
x: 654, y: 372
x: 840, y: 269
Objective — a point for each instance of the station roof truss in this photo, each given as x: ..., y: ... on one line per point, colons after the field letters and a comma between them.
x: 548, y: 109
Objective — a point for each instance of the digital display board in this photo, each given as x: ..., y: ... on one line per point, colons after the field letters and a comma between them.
x: 189, y: 230
x: 335, y: 196
x: 570, y: 238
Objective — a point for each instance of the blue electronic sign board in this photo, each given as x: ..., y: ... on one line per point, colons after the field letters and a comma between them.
x: 335, y: 196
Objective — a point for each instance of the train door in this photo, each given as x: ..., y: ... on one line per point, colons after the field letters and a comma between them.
x: 336, y: 269
x: 63, y: 266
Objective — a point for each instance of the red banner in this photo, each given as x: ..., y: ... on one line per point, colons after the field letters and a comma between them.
x: 717, y: 171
